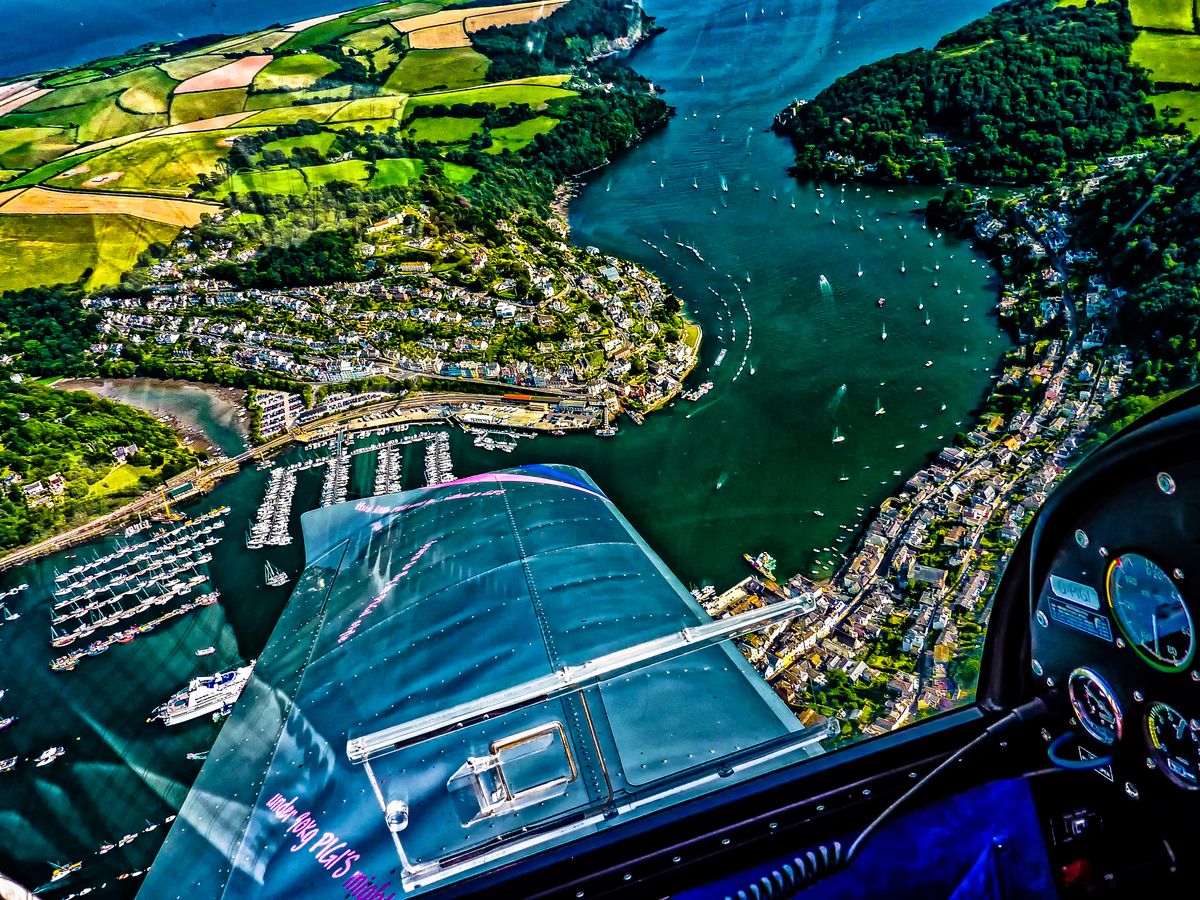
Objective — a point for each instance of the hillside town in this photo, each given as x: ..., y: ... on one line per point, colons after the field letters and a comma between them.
x: 897, y: 633
x: 530, y: 312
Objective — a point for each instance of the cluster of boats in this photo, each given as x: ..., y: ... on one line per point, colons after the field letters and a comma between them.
x: 47, y: 756
x: 107, y: 590
x: 9, y: 614
x: 337, y: 476
x: 438, y: 465
x: 486, y: 441
x: 208, y: 694
x: 70, y: 660
x: 273, y: 519
x: 698, y: 392
x: 387, y: 469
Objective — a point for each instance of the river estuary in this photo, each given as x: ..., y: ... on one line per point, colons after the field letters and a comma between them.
x: 743, y: 469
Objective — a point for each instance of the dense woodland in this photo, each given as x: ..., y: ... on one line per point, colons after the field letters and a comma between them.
x: 1017, y: 96
x: 1146, y: 221
x: 45, y: 431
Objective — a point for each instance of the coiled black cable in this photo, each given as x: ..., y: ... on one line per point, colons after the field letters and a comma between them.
x: 791, y: 878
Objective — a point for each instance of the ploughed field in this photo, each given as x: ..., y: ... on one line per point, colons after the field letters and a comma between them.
x: 100, y: 161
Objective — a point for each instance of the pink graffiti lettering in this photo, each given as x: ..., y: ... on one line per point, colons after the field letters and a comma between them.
x: 382, y: 595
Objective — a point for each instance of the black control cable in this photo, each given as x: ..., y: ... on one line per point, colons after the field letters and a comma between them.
x: 820, y: 862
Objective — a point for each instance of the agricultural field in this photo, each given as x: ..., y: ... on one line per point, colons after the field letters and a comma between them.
x: 508, y: 93
x: 1167, y: 15
x: 438, y: 70
x: 51, y: 249
x: 390, y: 172
x: 458, y: 174
x: 26, y: 148
x: 443, y: 130
x: 369, y: 108
x: 206, y: 104
x: 43, y: 201
x: 1171, y: 58
x: 293, y: 73
x: 450, y: 27
x: 353, y: 170
x: 290, y: 115
x: 270, y: 181
x: 320, y: 141
x: 517, y: 136
x: 96, y: 166
x: 1180, y: 106
x: 154, y: 165
x: 150, y: 94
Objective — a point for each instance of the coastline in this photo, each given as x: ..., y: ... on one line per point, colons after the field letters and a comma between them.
x: 192, y: 432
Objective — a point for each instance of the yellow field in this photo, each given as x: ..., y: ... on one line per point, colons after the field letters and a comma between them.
x: 1170, y: 15
x: 449, y: 27
x: 1171, y: 58
x: 43, y: 201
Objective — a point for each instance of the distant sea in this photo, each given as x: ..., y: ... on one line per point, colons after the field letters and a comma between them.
x: 48, y: 34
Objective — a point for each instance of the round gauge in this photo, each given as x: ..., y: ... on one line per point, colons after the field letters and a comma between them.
x: 1174, y: 745
x: 1151, y: 612
x: 1095, y: 706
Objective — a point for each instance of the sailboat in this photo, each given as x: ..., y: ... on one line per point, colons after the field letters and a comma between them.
x: 793, y: 204
x: 902, y: 269
x: 837, y: 438
x: 774, y: 196
x: 883, y: 335
x: 844, y: 476
x: 695, y: 184
x: 926, y: 318
x: 274, y: 577
x: 879, y: 410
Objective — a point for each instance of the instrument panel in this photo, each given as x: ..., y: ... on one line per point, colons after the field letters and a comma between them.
x: 1116, y: 597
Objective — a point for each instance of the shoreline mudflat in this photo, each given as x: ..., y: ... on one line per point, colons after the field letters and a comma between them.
x: 229, y: 402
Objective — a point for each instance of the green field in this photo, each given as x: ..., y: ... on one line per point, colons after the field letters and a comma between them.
x: 397, y: 171
x: 52, y: 249
x: 515, y: 137
x: 398, y: 11
x: 368, y: 108
x: 278, y: 101
x: 102, y: 119
x: 1171, y: 58
x: 322, y: 141
x: 353, y: 170
x: 122, y: 478
x: 293, y: 73
x: 325, y: 33
x: 186, y: 67
x: 261, y: 42
x: 1185, y: 107
x: 7, y: 175
x: 79, y: 76
x: 506, y: 94
x: 457, y: 174
x: 443, y: 130
x: 78, y: 94
x: 272, y: 181
x: 377, y: 125
x: 428, y: 70
x: 290, y: 115
x: 1172, y: 15
x: 157, y: 165
x: 151, y: 93
x: 43, y: 173
x: 25, y: 148
x: 206, y: 104
x: 372, y: 38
